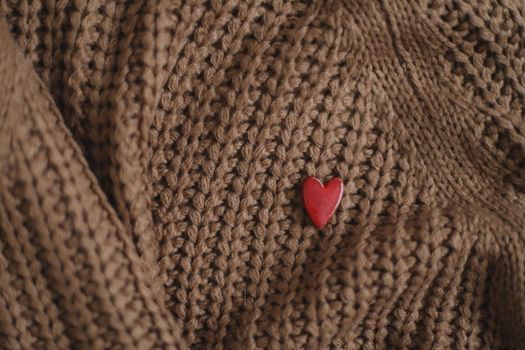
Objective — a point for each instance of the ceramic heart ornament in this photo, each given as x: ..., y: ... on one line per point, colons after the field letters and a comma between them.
x: 321, y: 201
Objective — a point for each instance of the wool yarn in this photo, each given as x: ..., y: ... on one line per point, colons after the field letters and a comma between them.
x: 152, y: 154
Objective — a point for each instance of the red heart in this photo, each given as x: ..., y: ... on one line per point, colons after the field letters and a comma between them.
x: 321, y: 201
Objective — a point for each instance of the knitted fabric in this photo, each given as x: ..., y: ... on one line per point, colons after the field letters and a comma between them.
x: 152, y: 154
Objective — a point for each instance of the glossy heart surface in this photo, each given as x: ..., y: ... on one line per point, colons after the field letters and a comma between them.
x: 321, y: 200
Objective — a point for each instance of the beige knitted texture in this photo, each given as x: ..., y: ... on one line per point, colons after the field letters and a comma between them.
x: 152, y: 154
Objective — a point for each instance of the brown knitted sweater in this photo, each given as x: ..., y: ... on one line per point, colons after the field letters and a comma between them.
x: 152, y: 154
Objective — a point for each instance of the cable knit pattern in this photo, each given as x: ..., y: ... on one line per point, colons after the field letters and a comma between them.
x: 152, y: 154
